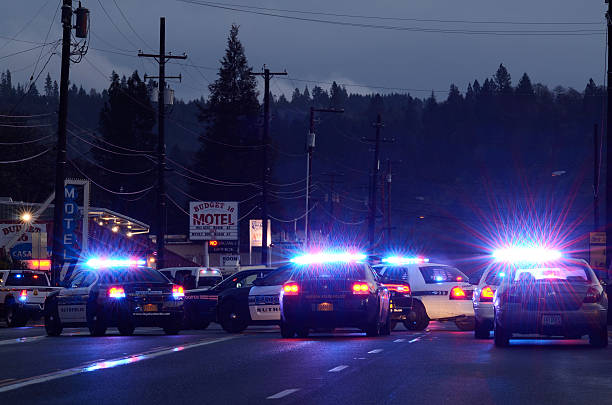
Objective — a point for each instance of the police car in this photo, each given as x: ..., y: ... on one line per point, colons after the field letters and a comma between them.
x: 331, y: 290
x: 22, y: 295
x: 439, y: 292
x: 545, y: 293
x: 118, y: 293
x: 483, y: 300
x: 193, y: 277
x: 256, y: 305
x: 201, y: 303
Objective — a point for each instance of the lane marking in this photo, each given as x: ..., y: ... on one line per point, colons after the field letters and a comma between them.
x: 283, y: 394
x: 336, y: 369
x: 21, y: 340
x: 375, y: 351
x: 399, y: 340
x: 101, y: 365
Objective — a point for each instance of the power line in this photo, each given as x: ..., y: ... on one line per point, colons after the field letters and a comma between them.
x: 127, y: 21
x: 115, y: 25
x: 26, y: 142
x: 14, y: 38
x: 4, y: 162
x: 110, y: 170
x: 107, y: 189
x: 576, y: 32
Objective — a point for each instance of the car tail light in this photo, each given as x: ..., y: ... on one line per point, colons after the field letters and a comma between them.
x: 400, y: 288
x: 486, y: 295
x: 361, y: 288
x: 593, y: 295
x: 23, y: 295
x: 457, y: 293
x: 178, y: 291
x: 116, y: 292
x: 291, y: 289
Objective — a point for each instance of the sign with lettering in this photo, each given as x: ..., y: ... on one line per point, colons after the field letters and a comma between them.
x: 213, y: 220
x: 71, y: 213
x: 22, y: 249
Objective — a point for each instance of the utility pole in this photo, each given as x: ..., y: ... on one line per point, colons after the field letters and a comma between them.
x: 57, y: 252
x: 374, y: 180
x: 332, y: 194
x: 161, y: 58
x: 310, y: 145
x: 264, y: 178
x: 596, y: 148
x: 389, y: 178
x: 609, y: 142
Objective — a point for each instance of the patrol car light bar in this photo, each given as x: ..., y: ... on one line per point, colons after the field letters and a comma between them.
x: 526, y: 255
x: 96, y: 263
x: 404, y: 260
x: 329, y: 258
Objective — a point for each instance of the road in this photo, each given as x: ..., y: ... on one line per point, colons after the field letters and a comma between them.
x: 439, y: 365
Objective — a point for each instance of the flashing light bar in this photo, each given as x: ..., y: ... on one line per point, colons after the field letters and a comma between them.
x: 404, y: 260
x: 96, y: 263
x: 319, y: 258
x: 526, y: 255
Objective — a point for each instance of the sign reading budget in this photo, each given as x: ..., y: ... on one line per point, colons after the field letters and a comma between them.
x: 213, y: 220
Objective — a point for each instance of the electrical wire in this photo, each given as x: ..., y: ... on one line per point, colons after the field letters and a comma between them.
x: 26, y: 142
x: 92, y: 132
x: 20, y: 52
x: 5, y: 162
x: 210, y: 178
x: 106, y: 189
x: 297, y: 218
x: 106, y: 168
x: 115, y: 25
x: 248, y: 213
x: 26, y: 25
x: 25, y: 126
x: 127, y: 21
x: 73, y: 133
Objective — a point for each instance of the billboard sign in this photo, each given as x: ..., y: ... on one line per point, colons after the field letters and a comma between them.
x: 213, y: 220
x: 28, y: 245
x: 255, y: 232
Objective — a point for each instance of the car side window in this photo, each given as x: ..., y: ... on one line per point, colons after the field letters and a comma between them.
x: 88, y: 280
x: 247, y: 281
x: 77, y: 280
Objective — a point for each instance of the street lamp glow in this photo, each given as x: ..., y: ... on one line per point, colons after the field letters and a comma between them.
x: 26, y: 217
x: 115, y: 229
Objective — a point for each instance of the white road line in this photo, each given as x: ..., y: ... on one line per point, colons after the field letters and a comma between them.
x: 105, y: 364
x: 336, y: 369
x: 21, y: 340
x: 283, y: 394
x: 399, y: 340
x: 375, y: 351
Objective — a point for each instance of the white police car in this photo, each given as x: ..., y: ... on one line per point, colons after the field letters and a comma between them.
x: 440, y: 292
x: 483, y: 300
x: 118, y: 293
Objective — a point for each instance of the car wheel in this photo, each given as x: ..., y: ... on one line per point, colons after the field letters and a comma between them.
x: 500, y: 335
x: 231, y: 318
x: 172, y: 330
x: 393, y: 325
x: 96, y: 326
x: 418, y: 319
x: 302, y: 333
x: 126, y: 329
x: 599, y: 338
x: 53, y: 326
x: 14, y: 316
x: 386, y: 329
x: 287, y: 332
x: 481, y: 330
x: 202, y: 325
x: 465, y: 323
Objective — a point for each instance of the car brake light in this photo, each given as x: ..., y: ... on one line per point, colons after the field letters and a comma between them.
x: 178, y: 291
x: 457, y: 293
x: 361, y: 288
x: 116, y: 292
x: 291, y: 289
x: 400, y: 288
x: 23, y: 295
x: 592, y: 295
x: 486, y: 295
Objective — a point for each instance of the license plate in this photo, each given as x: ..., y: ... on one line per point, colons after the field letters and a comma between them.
x: 325, y: 307
x: 150, y: 308
x: 551, y: 320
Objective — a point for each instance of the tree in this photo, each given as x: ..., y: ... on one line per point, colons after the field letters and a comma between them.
x: 338, y: 96
x: 524, y: 87
x: 48, y: 86
x: 503, y: 81
x: 230, y: 147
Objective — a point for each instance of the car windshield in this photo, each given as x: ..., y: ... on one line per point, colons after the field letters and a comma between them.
x: 442, y: 274
x: 559, y: 272
x: 330, y: 271
x: 132, y: 275
x: 26, y: 278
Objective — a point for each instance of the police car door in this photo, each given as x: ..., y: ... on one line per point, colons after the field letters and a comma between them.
x: 72, y: 301
x: 264, y: 304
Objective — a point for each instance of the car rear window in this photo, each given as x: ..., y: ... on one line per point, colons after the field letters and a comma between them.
x: 495, y: 277
x: 26, y: 278
x: 332, y: 271
x: 442, y: 274
x: 209, y: 281
x: 395, y: 273
x: 278, y: 276
x: 564, y: 273
x: 132, y: 275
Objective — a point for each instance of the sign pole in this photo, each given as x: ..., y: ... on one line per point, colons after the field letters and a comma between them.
x: 206, y: 255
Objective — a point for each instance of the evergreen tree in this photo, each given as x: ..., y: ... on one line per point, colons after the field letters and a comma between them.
x: 338, y: 96
x: 524, y: 87
x: 503, y: 82
x: 48, y: 86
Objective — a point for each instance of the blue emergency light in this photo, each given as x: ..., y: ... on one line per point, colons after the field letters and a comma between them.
x: 323, y: 257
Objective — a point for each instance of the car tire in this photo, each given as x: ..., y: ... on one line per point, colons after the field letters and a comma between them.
x: 418, y: 319
x: 172, y: 330
x: 386, y: 328
x: 202, y: 325
x: 15, y: 318
x: 465, y: 323
x: 53, y: 326
x: 126, y: 329
x: 481, y: 330
x: 232, y: 320
x: 302, y: 333
x: 599, y: 338
x: 96, y: 326
x: 393, y: 325
x: 287, y: 331
x: 501, y: 336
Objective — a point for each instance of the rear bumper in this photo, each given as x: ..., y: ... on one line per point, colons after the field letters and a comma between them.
x: 483, y: 311
x: 358, y: 312
x: 589, y: 318
x: 129, y: 312
x: 33, y: 310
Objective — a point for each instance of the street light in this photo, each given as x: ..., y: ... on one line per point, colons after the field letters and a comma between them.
x: 26, y: 217
x: 115, y: 229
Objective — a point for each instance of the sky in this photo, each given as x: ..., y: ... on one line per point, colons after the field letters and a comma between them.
x: 393, y: 55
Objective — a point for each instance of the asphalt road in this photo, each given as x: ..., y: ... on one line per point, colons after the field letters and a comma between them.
x: 440, y: 365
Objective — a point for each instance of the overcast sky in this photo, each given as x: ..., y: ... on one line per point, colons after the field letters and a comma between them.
x: 324, y: 52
